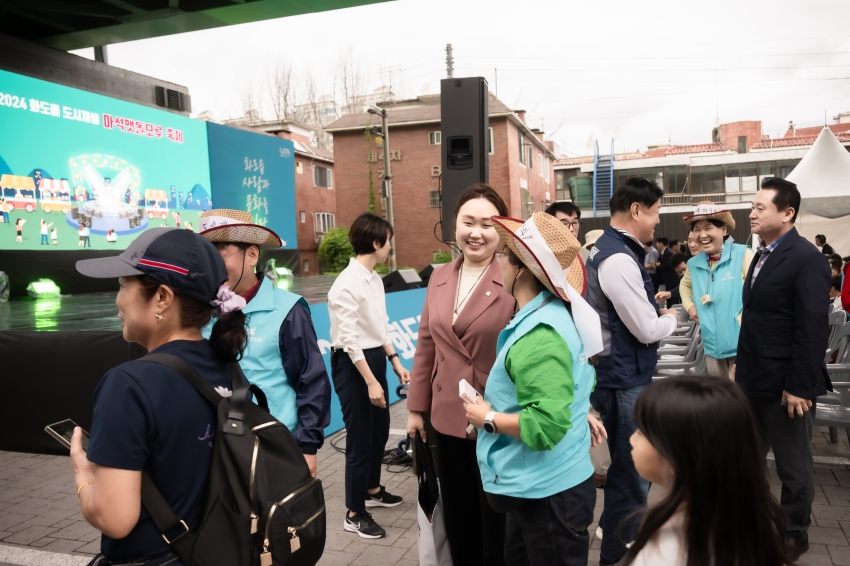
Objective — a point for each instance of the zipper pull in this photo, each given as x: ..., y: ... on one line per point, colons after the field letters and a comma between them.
x: 294, y: 542
x: 495, y: 480
x: 255, y: 521
x: 266, y: 556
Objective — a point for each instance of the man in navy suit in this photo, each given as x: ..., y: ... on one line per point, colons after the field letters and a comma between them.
x: 781, y: 348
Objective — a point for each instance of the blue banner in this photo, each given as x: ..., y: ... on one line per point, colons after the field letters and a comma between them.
x: 404, y: 309
x: 255, y: 172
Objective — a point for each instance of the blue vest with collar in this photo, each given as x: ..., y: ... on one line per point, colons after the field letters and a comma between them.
x: 718, y: 319
x: 262, y: 363
x: 624, y: 361
x: 507, y: 465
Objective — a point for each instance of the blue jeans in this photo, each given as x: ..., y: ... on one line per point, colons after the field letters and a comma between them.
x: 551, y: 531
x: 44, y: 239
x: 625, y: 491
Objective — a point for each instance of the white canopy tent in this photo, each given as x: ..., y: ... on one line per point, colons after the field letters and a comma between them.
x: 823, y: 178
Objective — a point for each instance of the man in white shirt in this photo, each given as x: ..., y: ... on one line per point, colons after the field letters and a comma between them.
x: 621, y: 291
x: 361, y: 347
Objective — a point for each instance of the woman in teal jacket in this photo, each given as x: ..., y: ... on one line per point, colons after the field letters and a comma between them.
x: 712, y: 288
x: 533, y: 453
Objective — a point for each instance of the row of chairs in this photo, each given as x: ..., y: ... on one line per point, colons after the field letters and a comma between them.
x: 833, y: 409
x: 683, y: 354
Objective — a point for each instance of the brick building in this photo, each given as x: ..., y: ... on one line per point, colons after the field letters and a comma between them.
x: 521, y: 169
x: 315, y: 198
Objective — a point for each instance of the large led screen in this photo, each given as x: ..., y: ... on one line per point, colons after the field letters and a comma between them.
x: 81, y: 170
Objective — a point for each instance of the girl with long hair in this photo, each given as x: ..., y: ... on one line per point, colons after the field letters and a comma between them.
x: 696, y: 438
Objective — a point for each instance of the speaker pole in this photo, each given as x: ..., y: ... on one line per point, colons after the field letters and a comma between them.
x: 387, y: 185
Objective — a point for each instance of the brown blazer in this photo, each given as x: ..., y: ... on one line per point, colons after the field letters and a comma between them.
x: 445, y: 355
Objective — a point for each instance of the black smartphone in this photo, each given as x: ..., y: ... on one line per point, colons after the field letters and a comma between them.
x: 64, y: 430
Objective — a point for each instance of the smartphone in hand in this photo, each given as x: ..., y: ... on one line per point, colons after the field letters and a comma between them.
x: 468, y: 392
x: 63, y: 431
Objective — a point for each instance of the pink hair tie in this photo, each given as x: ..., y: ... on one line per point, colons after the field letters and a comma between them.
x: 227, y: 301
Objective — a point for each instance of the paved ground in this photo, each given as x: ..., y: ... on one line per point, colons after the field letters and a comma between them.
x: 40, y: 522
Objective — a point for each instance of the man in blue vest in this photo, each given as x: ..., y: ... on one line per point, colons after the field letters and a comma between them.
x: 282, y: 356
x: 621, y: 291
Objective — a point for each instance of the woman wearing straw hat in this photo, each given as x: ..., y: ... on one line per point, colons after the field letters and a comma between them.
x: 712, y: 287
x: 282, y: 357
x: 533, y: 453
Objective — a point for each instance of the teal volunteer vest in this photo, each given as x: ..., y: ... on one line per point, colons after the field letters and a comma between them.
x: 718, y: 318
x: 507, y: 465
x: 262, y: 362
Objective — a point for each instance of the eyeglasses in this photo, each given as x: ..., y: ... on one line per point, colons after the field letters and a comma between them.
x: 571, y: 225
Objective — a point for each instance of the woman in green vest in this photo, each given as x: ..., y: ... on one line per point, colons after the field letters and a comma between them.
x: 712, y: 288
x: 533, y: 453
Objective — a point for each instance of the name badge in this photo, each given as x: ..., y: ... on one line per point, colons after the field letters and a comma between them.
x: 706, y: 299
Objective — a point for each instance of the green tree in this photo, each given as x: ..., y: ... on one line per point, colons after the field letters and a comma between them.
x: 335, y: 250
x: 442, y: 256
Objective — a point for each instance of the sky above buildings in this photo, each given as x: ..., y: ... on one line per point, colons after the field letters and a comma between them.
x: 642, y: 73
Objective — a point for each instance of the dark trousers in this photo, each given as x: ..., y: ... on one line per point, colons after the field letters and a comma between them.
x: 791, y: 440
x: 625, y: 491
x: 552, y: 531
x: 475, y: 531
x: 168, y: 559
x: 367, y: 427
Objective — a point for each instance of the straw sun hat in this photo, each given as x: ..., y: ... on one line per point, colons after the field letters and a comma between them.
x: 707, y: 210
x: 550, y: 251
x: 591, y: 237
x: 530, y: 241
x: 227, y: 225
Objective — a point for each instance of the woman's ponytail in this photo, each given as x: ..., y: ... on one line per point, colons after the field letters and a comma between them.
x: 229, y: 336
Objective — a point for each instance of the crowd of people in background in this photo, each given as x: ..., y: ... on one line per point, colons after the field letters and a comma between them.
x: 557, y: 338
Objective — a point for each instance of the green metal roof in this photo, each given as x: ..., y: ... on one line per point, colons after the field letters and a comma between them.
x: 75, y: 24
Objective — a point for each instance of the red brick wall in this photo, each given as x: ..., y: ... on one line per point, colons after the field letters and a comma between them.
x: 412, y: 182
x: 729, y: 133
x: 310, y: 199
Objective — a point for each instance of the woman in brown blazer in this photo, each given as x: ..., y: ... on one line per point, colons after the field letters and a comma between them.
x: 465, y: 309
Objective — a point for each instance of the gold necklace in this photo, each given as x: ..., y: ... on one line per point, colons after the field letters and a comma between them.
x: 457, y: 292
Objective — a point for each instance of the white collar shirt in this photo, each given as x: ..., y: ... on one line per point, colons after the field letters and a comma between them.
x: 358, y: 311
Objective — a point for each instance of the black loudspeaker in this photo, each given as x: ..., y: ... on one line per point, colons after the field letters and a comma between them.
x: 426, y: 273
x: 401, y: 280
x: 464, y: 125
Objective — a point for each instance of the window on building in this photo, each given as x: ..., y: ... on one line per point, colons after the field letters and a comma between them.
x: 786, y: 166
x: 540, y: 162
x: 742, y: 144
x: 707, y: 179
x: 303, y: 217
x: 491, y: 149
x: 766, y: 169
x: 435, y: 138
x: 324, y: 222
x: 522, y: 154
x: 434, y: 199
x: 305, y: 266
x: 299, y: 168
x: 322, y: 177
x: 530, y: 156
x: 547, y: 165
x: 562, y: 186
x: 654, y: 174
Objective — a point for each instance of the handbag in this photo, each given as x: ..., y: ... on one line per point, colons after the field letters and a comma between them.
x: 434, y: 547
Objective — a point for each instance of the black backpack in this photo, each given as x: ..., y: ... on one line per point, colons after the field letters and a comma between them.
x: 263, y: 506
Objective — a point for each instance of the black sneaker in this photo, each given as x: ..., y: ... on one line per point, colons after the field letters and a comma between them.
x: 382, y: 499
x: 363, y: 525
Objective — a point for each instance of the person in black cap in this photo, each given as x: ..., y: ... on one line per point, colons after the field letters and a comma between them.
x: 146, y: 416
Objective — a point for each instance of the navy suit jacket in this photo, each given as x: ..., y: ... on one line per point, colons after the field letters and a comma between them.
x: 785, y: 323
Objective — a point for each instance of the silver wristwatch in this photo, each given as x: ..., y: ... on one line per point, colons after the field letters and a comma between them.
x: 490, y: 423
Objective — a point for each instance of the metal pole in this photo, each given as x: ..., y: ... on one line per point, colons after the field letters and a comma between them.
x: 388, y: 186
x: 450, y: 62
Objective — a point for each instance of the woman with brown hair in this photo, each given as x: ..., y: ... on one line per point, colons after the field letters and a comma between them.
x: 464, y: 311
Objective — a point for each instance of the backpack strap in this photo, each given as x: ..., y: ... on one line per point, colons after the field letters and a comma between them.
x: 188, y: 373
x: 169, y: 524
